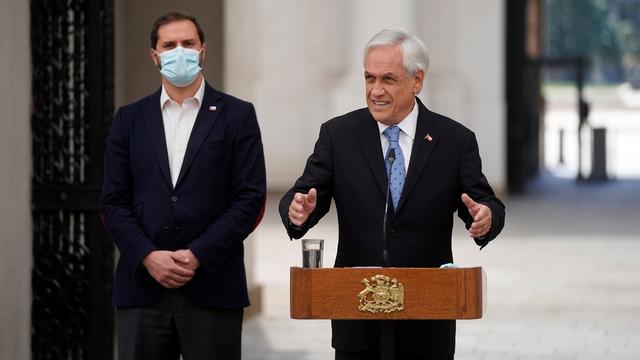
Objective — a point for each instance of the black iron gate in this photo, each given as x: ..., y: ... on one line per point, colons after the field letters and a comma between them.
x: 72, y: 54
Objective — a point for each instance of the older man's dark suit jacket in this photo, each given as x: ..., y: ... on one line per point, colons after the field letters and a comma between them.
x: 347, y: 165
x: 215, y: 204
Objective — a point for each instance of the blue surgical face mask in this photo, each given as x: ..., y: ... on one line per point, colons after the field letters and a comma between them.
x: 180, y: 66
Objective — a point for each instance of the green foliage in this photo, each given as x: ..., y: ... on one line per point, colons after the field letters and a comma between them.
x: 596, y: 30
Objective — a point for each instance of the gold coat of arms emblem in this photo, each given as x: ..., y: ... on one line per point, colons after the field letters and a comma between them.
x: 382, y: 294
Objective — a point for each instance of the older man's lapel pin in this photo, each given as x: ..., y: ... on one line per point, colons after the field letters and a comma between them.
x: 428, y: 138
x: 212, y: 108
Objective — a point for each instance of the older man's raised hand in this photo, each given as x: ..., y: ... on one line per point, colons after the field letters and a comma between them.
x: 481, y: 215
x: 302, y: 206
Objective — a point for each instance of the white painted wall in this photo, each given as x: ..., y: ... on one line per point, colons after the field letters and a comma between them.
x: 300, y: 63
x: 15, y: 181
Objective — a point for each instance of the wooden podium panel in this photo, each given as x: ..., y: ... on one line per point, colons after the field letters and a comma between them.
x: 332, y: 293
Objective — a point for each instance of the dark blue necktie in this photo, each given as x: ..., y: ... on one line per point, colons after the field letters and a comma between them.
x: 396, y: 182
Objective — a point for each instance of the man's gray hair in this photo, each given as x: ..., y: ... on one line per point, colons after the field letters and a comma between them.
x: 414, y: 53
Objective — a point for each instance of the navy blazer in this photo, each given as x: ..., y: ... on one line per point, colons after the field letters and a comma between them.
x: 216, y: 202
x: 347, y: 165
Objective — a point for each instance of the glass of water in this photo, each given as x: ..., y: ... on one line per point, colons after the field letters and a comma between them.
x: 312, y: 253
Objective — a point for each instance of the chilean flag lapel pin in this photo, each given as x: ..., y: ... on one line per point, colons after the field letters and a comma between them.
x: 212, y: 108
x: 428, y: 138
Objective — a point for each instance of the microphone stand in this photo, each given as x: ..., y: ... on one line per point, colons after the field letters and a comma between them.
x: 391, y: 157
x: 387, y: 327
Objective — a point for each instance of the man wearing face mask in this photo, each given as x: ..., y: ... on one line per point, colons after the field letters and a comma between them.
x: 184, y: 185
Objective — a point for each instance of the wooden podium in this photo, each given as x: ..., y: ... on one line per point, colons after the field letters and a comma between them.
x: 375, y: 293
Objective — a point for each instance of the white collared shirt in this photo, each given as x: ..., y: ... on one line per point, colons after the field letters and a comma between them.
x: 407, y: 134
x: 178, y: 122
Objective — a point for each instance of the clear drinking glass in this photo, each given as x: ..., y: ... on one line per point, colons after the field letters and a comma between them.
x: 312, y: 253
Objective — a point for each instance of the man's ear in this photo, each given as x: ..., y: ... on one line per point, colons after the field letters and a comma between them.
x: 154, y: 57
x: 203, y: 50
x: 418, y: 77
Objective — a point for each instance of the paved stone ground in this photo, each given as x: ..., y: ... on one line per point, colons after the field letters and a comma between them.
x: 563, y: 280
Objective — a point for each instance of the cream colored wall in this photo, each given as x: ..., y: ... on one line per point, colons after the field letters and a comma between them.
x: 300, y: 62
x: 15, y: 181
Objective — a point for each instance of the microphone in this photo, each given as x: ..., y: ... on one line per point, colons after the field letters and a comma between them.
x: 391, y: 157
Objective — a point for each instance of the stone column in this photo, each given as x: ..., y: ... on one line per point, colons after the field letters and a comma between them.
x: 465, y: 40
x: 16, y: 258
x: 301, y: 64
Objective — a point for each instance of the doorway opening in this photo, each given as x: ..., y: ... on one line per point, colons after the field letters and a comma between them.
x: 573, y: 90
